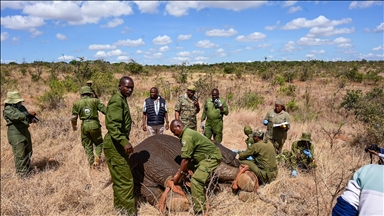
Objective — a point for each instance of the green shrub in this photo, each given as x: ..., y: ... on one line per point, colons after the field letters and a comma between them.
x: 292, y: 106
x: 289, y: 90
x: 53, y: 98
x: 229, y: 69
x: 249, y: 100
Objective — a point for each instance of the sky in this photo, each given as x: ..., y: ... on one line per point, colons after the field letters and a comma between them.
x: 191, y: 32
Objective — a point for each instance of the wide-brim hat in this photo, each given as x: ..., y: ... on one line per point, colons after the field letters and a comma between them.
x: 280, y: 102
x: 191, y: 88
x: 306, y: 137
x: 89, y: 82
x: 13, y: 98
x: 86, y: 90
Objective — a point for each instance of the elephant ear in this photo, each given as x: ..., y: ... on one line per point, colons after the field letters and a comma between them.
x: 229, y: 157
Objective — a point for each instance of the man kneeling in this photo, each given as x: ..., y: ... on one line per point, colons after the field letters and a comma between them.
x: 260, y: 157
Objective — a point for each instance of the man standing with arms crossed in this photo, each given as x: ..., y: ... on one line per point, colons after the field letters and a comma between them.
x: 187, y: 107
x: 213, y: 111
x: 117, y: 147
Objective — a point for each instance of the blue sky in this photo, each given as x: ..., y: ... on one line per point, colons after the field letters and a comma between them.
x: 173, y: 32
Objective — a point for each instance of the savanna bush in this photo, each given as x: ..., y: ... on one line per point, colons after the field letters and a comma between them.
x: 53, y: 98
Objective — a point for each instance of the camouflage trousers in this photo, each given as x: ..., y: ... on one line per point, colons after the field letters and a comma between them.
x: 296, y: 161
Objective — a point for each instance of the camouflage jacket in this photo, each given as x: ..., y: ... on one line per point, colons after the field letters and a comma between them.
x: 187, y: 110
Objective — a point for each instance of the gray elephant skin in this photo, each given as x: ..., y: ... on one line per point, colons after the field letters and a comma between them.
x: 158, y: 157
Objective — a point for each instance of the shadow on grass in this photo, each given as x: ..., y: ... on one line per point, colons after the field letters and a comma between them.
x: 45, y: 164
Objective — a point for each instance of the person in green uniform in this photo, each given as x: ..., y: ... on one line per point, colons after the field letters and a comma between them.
x: 18, y: 119
x: 301, y: 154
x: 278, y: 123
x: 90, y: 83
x: 87, y: 110
x: 213, y: 111
x: 187, y: 107
x: 200, y: 155
x: 117, y: 147
x: 249, y: 133
x: 261, y: 158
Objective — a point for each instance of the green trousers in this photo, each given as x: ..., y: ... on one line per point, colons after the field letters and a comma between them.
x: 198, y: 180
x: 214, y: 128
x: 123, y: 184
x: 20, y: 140
x: 91, y: 134
x: 298, y: 160
x: 263, y: 176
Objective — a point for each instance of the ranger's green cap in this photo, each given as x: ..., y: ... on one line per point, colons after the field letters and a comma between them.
x: 86, y: 90
x: 306, y: 136
x: 191, y: 88
x: 247, y: 130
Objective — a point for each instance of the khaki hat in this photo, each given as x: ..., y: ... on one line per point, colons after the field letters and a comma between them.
x: 13, y: 98
x: 86, y: 90
x: 306, y: 136
x: 191, y: 88
x: 89, y: 82
x: 258, y: 133
x: 280, y: 102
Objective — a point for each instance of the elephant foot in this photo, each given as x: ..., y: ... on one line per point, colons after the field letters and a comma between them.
x: 177, y: 203
x: 248, y: 182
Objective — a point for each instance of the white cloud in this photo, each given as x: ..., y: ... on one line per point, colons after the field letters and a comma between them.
x: 294, y: 9
x: 341, y: 40
x: 66, y: 58
x: 179, y: 59
x: 115, y: 22
x: 101, y: 47
x: 197, y: 52
x: 221, y: 32
x: 289, y: 47
x: 344, y: 45
x: 100, y: 54
x: 381, y: 47
x: 162, y: 40
x: 163, y: 49
x: 264, y: 45
x: 363, y: 4
x: 205, y: 44
x: 4, y: 36
x: 201, y: 58
x: 13, y: 4
x: 123, y: 58
x: 311, y: 56
x: 271, y: 50
x: 148, y: 6
x: 18, y: 22
x: 116, y: 52
x: 328, y: 31
x: 184, y: 37
x: 317, y: 51
x: 183, y: 54
x: 61, y: 36
x: 270, y: 28
x: 130, y: 43
x: 15, y: 38
x: 34, y: 32
x: 255, y: 36
x: 236, y: 51
x: 305, y: 41
x: 154, y: 56
x: 379, y: 28
x: 125, y: 30
x: 139, y: 52
x: 180, y: 8
x: 288, y: 3
x: 221, y: 50
x: 320, y: 21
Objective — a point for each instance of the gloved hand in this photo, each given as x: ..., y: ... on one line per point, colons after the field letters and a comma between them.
x: 202, y: 125
x: 265, y: 122
x: 236, y: 151
x: 294, y: 173
x: 250, y: 158
x: 307, y: 153
x: 219, y: 104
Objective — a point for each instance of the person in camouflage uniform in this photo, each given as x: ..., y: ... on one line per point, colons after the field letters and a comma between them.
x: 87, y: 110
x: 249, y: 133
x: 278, y: 123
x: 200, y: 155
x: 261, y: 158
x: 302, y: 154
x: 89, y: 83
x: 18, y: 119
x: 187, y: 107
x: 117, y: 147
x: 213, y: 111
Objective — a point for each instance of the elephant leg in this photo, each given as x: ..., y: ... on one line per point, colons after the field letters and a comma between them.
x: 151, y: 194
x: 226, y: 173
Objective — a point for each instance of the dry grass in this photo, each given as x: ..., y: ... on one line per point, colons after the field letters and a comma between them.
x: 63, y: 184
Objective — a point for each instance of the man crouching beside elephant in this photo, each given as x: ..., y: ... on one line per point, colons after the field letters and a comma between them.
x: 200, y: 155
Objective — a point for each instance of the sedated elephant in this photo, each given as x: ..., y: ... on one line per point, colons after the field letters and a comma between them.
x: 158, y: 157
